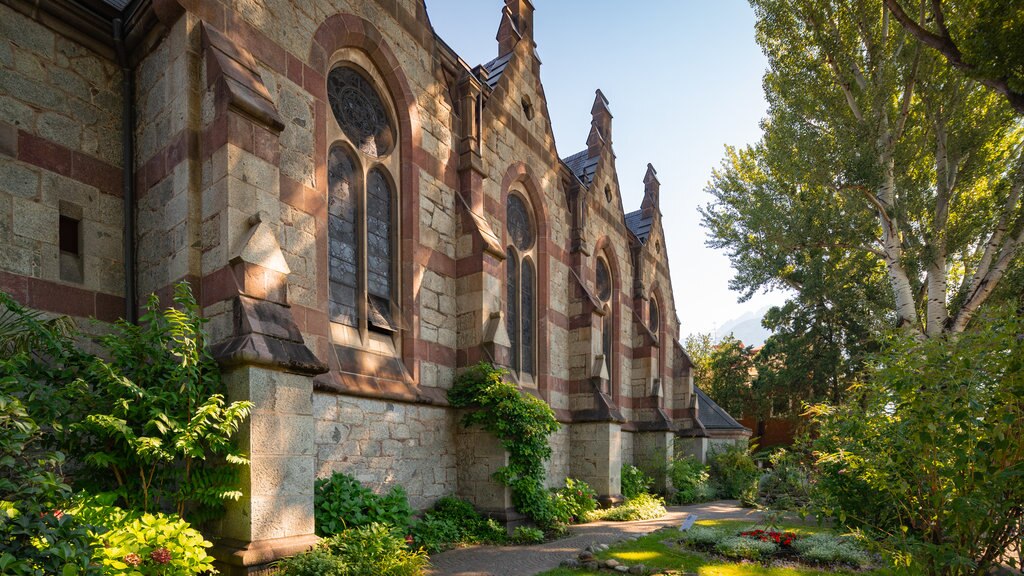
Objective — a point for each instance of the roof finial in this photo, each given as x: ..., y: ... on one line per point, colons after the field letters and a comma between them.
x: 652, y: 190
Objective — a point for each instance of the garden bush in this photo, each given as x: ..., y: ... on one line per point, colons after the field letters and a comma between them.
x: 705, y: 537
x: 316, y: 562
x: 143, y: 544
x: 642, y: 507
x: 36, y: 536
x: 785, y: 486
x: 634, y: 481
x: 691, y: 481
x: 745, y: 548
x: 527, y: 535
x: 926, y: 456
x: 522, y: 423
x: 341, y: 502
x: 829, y: 549
x: 374, y: 550
x: 453, y: 521
x: 733, y: 472
x: 573, y: 502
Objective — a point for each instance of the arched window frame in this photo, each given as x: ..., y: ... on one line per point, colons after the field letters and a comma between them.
x: 378, y: 317
x: 521, y: 296
x: 654, y: 316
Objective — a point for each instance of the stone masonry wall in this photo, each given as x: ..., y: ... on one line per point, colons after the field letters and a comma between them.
x: 384, y: 444
x: 60, y: 155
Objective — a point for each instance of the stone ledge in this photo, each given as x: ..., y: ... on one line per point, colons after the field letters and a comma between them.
x: 234, y: 558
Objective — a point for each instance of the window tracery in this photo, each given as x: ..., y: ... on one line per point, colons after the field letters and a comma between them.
x: 521, y: 287
x: 362, y: 201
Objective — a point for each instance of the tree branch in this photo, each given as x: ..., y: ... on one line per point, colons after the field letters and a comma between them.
x: 944, y: 44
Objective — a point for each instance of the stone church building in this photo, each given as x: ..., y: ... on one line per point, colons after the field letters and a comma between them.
x: 361, y: 213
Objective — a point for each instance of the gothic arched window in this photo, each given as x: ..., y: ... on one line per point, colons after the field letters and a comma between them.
x: 521, y: 287
x: 363, y: 196
x: 604, y: 294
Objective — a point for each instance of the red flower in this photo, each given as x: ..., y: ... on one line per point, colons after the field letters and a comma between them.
x: 408, y: 539
x: 160, y: 555
x: 132, y: 559
x: 58, y: 514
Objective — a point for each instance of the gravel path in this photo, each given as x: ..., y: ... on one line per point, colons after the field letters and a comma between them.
x: 529, y: 560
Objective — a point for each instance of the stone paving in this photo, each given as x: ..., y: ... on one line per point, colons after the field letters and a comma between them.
x: 529, y: 560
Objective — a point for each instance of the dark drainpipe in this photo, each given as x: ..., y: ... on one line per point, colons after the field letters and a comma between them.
x: 127, y: 172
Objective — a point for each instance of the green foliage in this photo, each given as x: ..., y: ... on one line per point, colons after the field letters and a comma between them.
x: 691, y: 480
x: 36, y: 536
x: 374, y: 550
x: 929, y: 456
x: 785, y: 486
x: 312, y: 563
x: 730, y: 373
x: 527, y: 535
x: 733, y: 472
x: 573, y: 502
x: 746, y: 548
x: 640, y: 507
x: 341, y: 502
x: 522, y: 423
x: 634, y: 481
x: 705, y: 537
x: 699, y: 347
x: 830, y: 549
x: 146, y: 420
x: 133, y: 544
x: 453, y: 521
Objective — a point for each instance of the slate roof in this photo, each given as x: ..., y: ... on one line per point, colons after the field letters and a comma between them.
x: 582, y: 166
x: 713, y: 416
x: 495, y: 68
x: 639, y: 225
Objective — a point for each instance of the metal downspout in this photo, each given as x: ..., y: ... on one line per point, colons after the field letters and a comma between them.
x: 127, y: 172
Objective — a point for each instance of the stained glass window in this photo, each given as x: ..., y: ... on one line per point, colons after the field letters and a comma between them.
x: 341, y: 226
x: 606, y: 340
x: 517, y: 219
x: 512, y: 304
x: 604, y: 281
x: 360, y: 112
x: 526, y: 320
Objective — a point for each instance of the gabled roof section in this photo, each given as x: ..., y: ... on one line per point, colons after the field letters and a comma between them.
x: 714, y: 417
x: 582, y: 166
x: 495, y: 68
x: 640, y: 225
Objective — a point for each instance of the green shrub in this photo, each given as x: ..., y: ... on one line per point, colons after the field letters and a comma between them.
x: 527, y: 535
x: 573, y: 502
x: 375, y: 550
x: 522, y: 423
x: 634, y: 481
x: 785, y: 486
x: 36, y: 536
x: 733, y: 472
x: 705, y: 537
x: 312, y: 563
x: 145, y: 419
x: 746, y: 548
x: 341, y: 502
x: 926, y: 456
x: 642, y: 507
x: 829, y: 549
x: 134, y: 544
x: 437, y: 534
x: 691, y: 480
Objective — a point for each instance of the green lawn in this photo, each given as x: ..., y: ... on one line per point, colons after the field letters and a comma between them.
x: 650, y: 551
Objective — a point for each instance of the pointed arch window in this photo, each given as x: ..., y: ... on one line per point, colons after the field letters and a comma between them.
x: 363, y: 197
x: 604, y: 294
x: 521, y: 286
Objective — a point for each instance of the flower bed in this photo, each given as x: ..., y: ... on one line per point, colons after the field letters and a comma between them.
x: 771, y: 545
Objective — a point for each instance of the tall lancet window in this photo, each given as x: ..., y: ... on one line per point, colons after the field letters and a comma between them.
x: 363, y: 196
x: 521, y: 287
x: 604, y: 294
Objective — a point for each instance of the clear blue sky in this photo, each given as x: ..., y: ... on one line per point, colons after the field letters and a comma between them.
x: 683, y: 78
